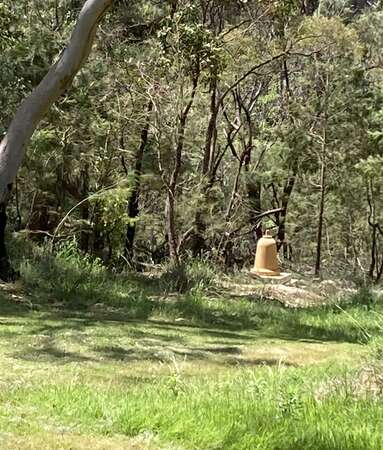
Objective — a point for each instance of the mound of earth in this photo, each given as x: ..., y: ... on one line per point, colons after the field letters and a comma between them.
x: 294, y: 293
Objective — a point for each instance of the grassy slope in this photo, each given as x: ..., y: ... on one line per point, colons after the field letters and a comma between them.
x: 191, y: 373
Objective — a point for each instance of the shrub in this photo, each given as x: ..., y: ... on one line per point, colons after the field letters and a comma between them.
x: 194, y: 273
x: 365, y: 297
x: 66, y: 276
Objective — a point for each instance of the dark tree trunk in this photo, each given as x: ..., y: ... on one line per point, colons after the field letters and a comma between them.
x: 380, y: 272
x: 6, y: 271
x: 3, y: 250
x: 376, y: 267
x: 170, y: 228
x: 323, y: 162
x: 84, y: 238
x: 309, y: 7
x: 320, y: 218
x: 134, y: 200
x: 198, y: 238
x: 282, y: 216
x: 373, y: 252
x: 209, y: 148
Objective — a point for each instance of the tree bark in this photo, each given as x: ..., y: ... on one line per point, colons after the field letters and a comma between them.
x: 198, y: 241
x: 282, y: 216
x: 134, y: 199
x: 321, y: 205
x: 170, y: 203
x: 85, y: 214
x: 33, y: 108
x: 323, y: 162
x: 376, y: 230
x: 209, y: 147
x: 6, y: 272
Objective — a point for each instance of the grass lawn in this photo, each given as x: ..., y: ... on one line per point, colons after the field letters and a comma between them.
x: 189, y: 372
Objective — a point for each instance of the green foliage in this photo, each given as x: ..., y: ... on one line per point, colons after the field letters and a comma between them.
x: 366, y: 297
x: 70, y: 279
x: 202, y: 409
x: 186, y: 39
x: 267, y: 132
x: 68, y: 276
x: 170, y: 356
x: 192, y: 275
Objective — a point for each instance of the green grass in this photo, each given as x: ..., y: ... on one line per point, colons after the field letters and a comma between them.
x: 118, y: 362
x: 170, y: 384
x: 241, y: 410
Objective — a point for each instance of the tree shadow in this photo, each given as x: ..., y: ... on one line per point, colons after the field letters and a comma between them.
x: 50, y: 353
x: 160, y: 340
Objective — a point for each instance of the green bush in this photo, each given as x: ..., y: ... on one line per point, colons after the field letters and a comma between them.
x: 365, y: 297
x: 194, y: 273
x: 67, y: 275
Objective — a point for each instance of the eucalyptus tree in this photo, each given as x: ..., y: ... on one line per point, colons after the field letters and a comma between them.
x: 32, y: 109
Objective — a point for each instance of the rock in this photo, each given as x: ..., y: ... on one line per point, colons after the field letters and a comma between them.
x: 292, y: 296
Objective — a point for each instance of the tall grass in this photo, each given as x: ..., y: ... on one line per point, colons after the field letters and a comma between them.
x: 78, y: 281
x: 250, y: 409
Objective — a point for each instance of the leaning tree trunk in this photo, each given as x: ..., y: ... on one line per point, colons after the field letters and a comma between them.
x: 33, y: 108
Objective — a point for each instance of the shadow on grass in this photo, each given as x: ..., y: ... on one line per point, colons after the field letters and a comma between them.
x: 126, y: 301
x: 50, y: 353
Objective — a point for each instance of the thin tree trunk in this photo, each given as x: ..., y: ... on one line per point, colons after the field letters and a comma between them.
x: 170, y: 203
x: 321, y: 208
x: 209, y: 148
x: 6, y: 272
x: 323, y: 160
x: 374, y: 230
x: 379, y: 272
x: 84, y: 238
x: 134, y: 199
x: 170, y: 227
x: 282, y: 216
x: 199, y: 243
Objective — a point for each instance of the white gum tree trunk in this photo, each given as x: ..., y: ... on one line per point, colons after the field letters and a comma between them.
x: 33, y: 108
x: 55, y: 82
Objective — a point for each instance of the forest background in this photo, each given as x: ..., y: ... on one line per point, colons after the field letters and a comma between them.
x: 196, y: 125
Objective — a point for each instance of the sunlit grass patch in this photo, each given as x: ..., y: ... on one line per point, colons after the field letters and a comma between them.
x: 122, y: 363
x: 263, y: 408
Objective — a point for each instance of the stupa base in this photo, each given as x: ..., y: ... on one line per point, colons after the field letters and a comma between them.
x: 271, y: 278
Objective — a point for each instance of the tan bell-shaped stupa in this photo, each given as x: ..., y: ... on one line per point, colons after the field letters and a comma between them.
x: 266, y: 261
